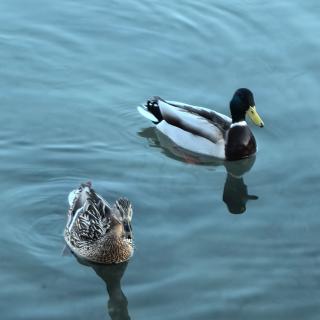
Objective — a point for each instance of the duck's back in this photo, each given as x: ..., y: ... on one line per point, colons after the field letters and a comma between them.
x: 95, y: 230
x: 196, y: 120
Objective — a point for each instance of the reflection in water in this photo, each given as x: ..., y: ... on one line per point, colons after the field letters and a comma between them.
x: 111, y: 275
x: 235, y: 193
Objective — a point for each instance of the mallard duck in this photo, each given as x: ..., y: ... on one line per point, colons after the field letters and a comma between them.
x: 205, y: 131
x: 95, y: 230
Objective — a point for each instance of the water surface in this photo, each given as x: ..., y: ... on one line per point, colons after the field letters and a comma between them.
x: 71, y: 76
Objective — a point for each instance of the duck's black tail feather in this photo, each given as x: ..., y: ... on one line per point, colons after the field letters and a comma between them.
x: 153, y: 107
x: 151, y: 110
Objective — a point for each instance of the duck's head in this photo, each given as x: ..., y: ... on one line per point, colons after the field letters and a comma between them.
x: 242, y: 104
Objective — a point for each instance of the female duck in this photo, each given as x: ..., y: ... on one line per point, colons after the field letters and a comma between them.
x: 95, y: 230
x: 205, y: 131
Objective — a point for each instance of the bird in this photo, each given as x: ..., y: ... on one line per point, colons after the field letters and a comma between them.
x: 97, y: 231
x: 205, y: 131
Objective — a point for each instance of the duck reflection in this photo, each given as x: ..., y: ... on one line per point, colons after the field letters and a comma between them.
x: 112, y: 275
x: 235, y: 192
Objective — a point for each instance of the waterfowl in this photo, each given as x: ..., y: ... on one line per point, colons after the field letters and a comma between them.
x: 205, y: 131
x: 97, y: 231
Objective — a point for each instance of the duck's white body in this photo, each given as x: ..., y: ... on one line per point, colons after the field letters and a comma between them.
x: 192, y: 128
x: 192, y: 142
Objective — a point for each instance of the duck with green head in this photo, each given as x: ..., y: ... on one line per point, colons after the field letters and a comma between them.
x: 205, y: 131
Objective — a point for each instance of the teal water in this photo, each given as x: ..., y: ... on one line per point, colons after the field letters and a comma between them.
x: 71, y: 76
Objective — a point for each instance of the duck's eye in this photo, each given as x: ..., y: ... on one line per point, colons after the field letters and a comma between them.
x: 252, y: 111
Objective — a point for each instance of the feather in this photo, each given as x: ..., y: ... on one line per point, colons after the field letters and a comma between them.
x: 144, y: 112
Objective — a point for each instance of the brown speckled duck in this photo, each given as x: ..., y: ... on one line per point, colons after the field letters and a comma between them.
x: 95, y: 230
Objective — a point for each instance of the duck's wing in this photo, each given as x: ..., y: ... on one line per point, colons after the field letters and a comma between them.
x: 90, y: 216
x: 197, y: 120
x: 215, y: 118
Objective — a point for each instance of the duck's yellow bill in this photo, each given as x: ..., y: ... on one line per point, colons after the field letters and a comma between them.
x: 254, y: 116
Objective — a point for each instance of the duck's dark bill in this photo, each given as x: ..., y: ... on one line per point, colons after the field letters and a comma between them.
x: 254, y: 116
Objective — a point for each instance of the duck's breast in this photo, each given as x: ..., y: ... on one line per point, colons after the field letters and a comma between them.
x: 240, y: 143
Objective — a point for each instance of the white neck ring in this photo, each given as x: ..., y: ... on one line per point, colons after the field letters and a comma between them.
x: 240, y: 123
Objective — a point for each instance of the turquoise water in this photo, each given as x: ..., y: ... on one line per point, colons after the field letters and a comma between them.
x: 71, y: 76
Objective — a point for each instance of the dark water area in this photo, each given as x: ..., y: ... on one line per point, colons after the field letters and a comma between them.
x: 71, y: 76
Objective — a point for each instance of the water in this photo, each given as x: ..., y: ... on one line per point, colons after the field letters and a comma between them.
x: 71, y: 76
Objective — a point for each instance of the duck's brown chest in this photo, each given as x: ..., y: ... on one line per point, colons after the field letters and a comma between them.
x: 240, y: 143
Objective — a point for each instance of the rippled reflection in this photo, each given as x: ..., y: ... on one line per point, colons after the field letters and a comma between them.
x: 112, y: 275
x: 235, y: 192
